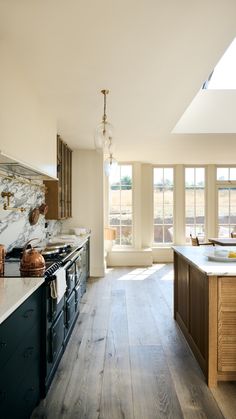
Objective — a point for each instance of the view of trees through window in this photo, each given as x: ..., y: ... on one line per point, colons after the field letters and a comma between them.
x: 120, y: 204
x: 163, y: 184
x: 195, y: 202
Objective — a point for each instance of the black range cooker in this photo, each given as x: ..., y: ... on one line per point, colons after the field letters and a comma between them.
x: 65, y: 264
x: 54, y: 258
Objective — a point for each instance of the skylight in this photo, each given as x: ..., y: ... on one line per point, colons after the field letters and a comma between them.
x: 224, y: 74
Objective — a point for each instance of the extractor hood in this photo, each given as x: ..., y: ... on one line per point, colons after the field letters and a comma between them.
x: 13, y: 167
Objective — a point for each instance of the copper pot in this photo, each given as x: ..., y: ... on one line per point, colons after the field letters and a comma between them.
x: 32, y: 262
x: 43, y: 209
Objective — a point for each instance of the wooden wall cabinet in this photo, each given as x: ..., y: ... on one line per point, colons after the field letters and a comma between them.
x: 58, y: 195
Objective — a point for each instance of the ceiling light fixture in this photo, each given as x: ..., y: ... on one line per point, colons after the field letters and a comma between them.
x: 104, y: 130
x: 103, y: 139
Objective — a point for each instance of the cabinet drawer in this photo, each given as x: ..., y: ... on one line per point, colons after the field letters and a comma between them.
x: 15, y: 327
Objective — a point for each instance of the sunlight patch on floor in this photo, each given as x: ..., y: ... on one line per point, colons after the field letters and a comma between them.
x: 168, y: 277
x: 139, y: 274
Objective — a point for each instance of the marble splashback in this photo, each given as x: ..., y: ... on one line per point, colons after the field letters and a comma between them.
x: 15, y: 229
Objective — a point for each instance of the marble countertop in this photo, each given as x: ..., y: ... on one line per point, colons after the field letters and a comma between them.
x: 197, y: 255
x: 14, y: 291
x: 71, y: 239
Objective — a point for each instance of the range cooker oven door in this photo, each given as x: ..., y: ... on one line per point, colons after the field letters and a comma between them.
x: 70, y: 277
x: 70, y: 309
x: 53, y: 307
x: 56, y: 338
x: 54, y: 330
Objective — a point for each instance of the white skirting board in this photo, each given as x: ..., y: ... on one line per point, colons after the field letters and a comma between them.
x: 139, y: 257
x: 162, y: 254
x: 97, y: 271
x: 129, y: 257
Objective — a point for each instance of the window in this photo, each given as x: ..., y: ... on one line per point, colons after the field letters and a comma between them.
x: 223, y: 76
x: 120, y: 204
x: 163, y: 183
x: 195, y: 202
x: 226, y: 200
x: 226, y: 174
x: 226, y: 211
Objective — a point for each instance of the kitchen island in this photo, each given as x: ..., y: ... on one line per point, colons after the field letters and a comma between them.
x: 205, y: 310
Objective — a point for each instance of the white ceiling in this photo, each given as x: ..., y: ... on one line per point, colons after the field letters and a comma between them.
x: 153, y: 55
x: 211, y: 111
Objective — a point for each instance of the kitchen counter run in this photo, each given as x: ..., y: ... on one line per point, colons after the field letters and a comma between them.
x: 14, y: 291
x: 196, y: 255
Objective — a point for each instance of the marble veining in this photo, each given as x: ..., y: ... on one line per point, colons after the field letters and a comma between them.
x: 15, y: 229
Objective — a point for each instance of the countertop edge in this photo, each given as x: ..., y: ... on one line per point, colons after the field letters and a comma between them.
x: 7, y: 311
x: 199, y: 261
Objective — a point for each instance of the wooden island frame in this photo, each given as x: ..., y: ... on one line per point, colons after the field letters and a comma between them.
x: 205, y: 310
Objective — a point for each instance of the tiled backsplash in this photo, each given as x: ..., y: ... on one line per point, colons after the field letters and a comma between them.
x: 15, y: 229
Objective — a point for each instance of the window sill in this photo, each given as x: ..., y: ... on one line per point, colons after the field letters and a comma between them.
x: 130, y: 249
x: 162, y: 247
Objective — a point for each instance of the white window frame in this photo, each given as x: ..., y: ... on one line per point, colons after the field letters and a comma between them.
x: 222, y: 184
x: 124, y: 246
x: 196, y: 166
x: 163, y: 166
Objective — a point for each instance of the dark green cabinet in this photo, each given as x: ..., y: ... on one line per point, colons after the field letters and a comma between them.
x: 20, y: 337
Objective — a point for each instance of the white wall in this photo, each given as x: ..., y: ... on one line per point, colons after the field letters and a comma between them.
x: 87, y: 203
x: 27, y: 129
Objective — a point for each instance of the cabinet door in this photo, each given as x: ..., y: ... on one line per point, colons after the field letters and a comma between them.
x: 69, y: 182
x: 227, y: 324
x: 15, y: 327
x: 58, y: 193
x: 182, y: 303
x: 198, y: 309
x: 20, y: 401
x: 20, y: 360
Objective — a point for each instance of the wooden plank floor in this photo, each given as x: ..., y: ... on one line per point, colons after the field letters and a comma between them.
x: 127, y: 358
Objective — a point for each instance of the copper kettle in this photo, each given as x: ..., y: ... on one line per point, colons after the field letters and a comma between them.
x: 32, y: 262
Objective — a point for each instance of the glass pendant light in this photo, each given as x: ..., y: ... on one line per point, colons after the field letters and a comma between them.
x: 104, y: 140
x: 110, y: 165
x: 104, y: 130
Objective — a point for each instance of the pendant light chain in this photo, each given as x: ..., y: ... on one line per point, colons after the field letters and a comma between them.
x: 105, y: 93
